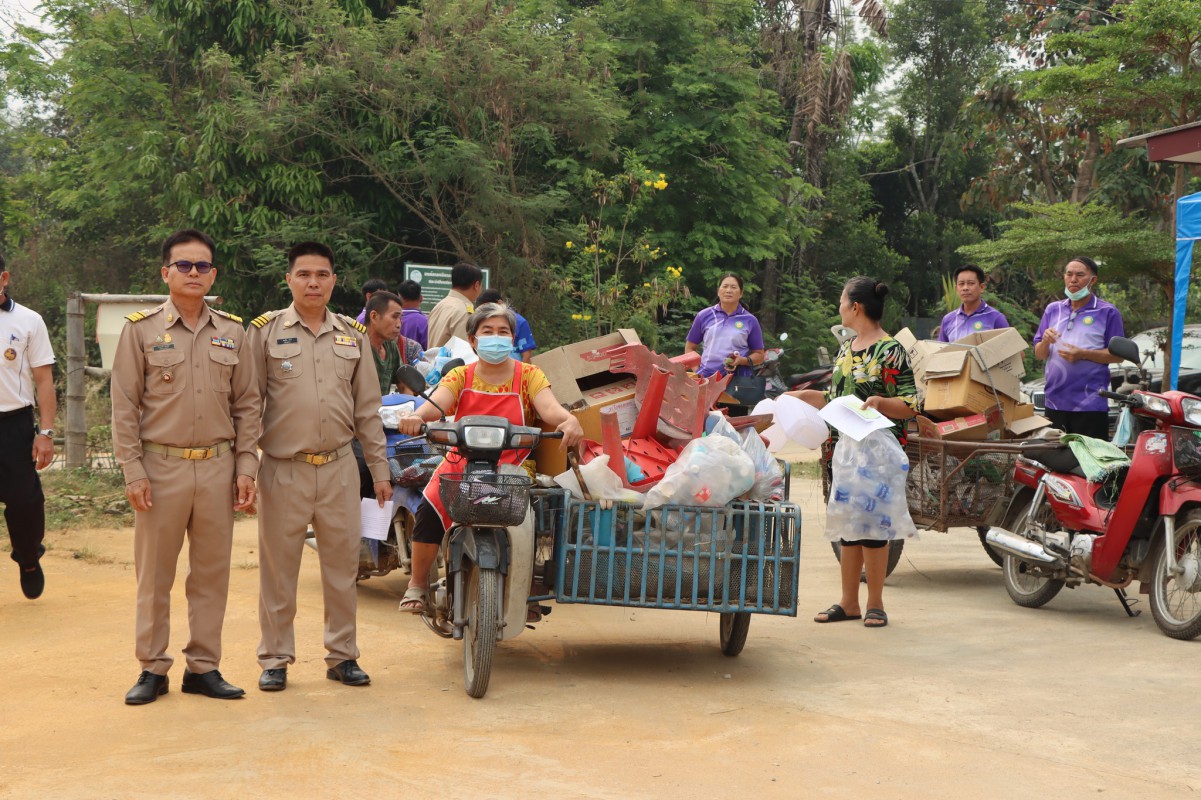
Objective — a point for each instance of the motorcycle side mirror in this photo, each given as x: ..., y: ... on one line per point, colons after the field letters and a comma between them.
x: 1126, y: 348
x: 408, y: 377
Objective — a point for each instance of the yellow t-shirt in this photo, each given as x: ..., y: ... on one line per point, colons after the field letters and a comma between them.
x: 533, y: 381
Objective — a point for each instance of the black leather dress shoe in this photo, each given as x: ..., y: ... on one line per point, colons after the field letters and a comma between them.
x: 33, y: 581
x: 348, y: 672
x: 274, y: 680
x: 147, y: 689
x: 209, y: 684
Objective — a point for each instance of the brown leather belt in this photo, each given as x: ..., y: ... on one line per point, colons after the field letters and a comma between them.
x: 321, y: 459
x: 190, y: 453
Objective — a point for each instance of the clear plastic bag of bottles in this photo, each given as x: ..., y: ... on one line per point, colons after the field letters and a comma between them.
x: 867, y: 495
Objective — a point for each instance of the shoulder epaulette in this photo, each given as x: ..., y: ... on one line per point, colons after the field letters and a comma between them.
x: 263, y: 319
x: 145, y: 313
x: 354, y: 323
x: 227, y: 315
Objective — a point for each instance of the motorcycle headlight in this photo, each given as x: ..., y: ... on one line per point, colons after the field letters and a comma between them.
x: 479, y: 437
x: 1159, y: 406
x: 1192, y: 411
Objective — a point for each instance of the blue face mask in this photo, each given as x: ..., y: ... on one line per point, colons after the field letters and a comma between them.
x: 494, y: 349
x: 1078, y: 295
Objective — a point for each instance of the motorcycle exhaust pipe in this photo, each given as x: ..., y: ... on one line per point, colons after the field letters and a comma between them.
x: 1021, y: 547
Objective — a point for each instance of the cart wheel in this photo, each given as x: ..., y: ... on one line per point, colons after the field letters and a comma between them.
x: 996, y: 557
x: 734, y: 628
x: 894, y: 556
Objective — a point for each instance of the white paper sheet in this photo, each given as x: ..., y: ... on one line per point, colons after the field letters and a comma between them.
x: 848, y: 416
x: 375, y: 521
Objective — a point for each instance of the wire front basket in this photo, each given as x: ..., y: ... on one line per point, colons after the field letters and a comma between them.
x: 485, y: 499
x: 412, y: 466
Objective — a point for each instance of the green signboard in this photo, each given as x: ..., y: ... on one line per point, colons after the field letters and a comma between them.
x: 434, y: 281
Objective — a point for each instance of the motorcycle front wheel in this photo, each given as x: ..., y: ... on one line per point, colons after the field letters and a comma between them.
x: 481, y: 607
x: 1176, y: 597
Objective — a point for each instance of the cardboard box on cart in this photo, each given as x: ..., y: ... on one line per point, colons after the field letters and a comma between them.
x: 984, y: 374
x: 585, y: 387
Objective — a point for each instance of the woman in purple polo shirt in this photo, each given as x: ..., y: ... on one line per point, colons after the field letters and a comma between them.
x: 727, y: 335
x: 1073, y: 338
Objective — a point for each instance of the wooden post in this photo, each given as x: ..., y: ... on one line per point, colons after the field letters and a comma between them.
x: 77, y: 431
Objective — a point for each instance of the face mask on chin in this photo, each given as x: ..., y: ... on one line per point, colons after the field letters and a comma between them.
x: 1078, y: 295
x: 494, y: 349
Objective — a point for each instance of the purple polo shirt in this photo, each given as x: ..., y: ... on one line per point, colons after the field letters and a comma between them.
x: 957, y: 324
x: 720, y: 334
x: 415, y: 325
x: 1074, y: 387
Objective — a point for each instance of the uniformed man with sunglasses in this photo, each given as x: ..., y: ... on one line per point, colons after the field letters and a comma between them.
x: 185, y: 424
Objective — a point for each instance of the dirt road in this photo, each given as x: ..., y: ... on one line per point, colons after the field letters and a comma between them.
x: 963, y: 695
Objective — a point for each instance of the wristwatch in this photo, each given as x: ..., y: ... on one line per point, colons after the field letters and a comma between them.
x: 47, y: 432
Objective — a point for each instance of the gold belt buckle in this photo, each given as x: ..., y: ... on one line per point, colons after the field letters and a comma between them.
x: 320, y: 459
x: 197, y: 453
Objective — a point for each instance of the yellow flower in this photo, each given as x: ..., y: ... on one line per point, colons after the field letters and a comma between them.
x: 568, y: 245
x: 660, y: 184
x: 646, y: 183
x: 587, y: 317
x: 646, y: 285
x: 577, y: 316
x: 661, y: 176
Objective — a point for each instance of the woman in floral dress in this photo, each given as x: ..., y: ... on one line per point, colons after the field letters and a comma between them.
x: 875, y: 368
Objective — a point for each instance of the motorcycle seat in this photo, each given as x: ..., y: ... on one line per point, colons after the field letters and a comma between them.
x: 1054, y: 456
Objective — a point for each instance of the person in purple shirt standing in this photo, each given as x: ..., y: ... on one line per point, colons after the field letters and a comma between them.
x: 974, y: 315
x: 372, y: 286
x: 1073, y: 338
x: 414, y: 324
x: 727, y: 335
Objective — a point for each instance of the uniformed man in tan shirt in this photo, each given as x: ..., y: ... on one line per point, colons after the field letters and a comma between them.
x: 449, y: 315
x: 185, y: 423
x: 319, y: 388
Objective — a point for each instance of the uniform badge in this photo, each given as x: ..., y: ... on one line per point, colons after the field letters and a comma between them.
x: 292, y: 340
x: 223, y: 341
x: 167, y: 336
x: 286, y: 366
x: 978, y: 326
x: 158, y: 339
x: 1088, y: 320
x: 158, y: 347
x: 738, y: 325
x: 346, y: 341
x: 10, y: 354
x: 170, y: 318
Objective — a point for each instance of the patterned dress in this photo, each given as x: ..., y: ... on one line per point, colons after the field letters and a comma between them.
x: 880, y: 369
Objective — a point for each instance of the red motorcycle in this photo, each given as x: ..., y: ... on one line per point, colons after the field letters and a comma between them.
x: 1144, y: 522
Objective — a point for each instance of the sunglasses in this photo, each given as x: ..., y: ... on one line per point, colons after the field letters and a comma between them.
x: 201, y: 267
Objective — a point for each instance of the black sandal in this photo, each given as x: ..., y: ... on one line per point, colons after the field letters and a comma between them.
x: 835, y: 613
x: 876, y: 615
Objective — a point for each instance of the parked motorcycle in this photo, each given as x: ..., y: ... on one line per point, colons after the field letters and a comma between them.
x: 1060, y: 529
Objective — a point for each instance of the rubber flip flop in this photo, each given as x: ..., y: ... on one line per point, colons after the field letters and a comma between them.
x: 836, y: 613
x: 876, y: 615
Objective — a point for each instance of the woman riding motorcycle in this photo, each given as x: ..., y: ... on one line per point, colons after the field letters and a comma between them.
x: 496, y: 385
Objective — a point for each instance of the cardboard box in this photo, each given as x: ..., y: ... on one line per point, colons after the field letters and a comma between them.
x: 966, y: 393
x: 584, y: 387
x: 1000, y: 349
x: 1024, y: 422
x: 919, y: 352
x: 975, y: 427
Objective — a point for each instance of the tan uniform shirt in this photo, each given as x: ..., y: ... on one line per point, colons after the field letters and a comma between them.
x: 449, y: 318
x: 318, y: 391
x: 175, y: 387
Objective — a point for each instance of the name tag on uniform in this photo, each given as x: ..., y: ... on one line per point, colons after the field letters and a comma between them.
x: 158, y: 347
x: 348, y: 341
x: 222, y: 341
x: 293, y: 340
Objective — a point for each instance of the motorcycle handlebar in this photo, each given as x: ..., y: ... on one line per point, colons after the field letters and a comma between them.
x: 1125, y: 399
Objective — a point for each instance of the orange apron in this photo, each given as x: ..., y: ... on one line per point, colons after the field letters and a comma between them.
x: 475, y: 403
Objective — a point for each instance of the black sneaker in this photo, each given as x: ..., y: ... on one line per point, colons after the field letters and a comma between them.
x: 33, y: 581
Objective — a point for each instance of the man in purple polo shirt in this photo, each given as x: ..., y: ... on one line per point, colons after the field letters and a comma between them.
x: 974, y: 315
x: 727, y: 334
x: 372, y: 286
x: 414, y: 324
x: 1073, y: 338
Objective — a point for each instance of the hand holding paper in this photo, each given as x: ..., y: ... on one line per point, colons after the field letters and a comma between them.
x: 848, y: 416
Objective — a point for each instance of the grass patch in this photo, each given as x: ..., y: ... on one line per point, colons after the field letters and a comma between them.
x: 81, y: 498
x: 247, y: 565
x: 90, y: 556
x: 806, y: 469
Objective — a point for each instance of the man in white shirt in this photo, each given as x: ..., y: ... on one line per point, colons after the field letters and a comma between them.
x: 449, y: 315
x: 26, y: 374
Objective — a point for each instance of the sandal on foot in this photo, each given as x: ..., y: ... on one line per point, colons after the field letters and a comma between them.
x: 876, y: 618
x: 836, y: 613
x: 414, y: 600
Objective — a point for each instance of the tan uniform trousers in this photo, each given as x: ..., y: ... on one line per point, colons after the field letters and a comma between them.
x: 293, y: 494
x: 196, y: 498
